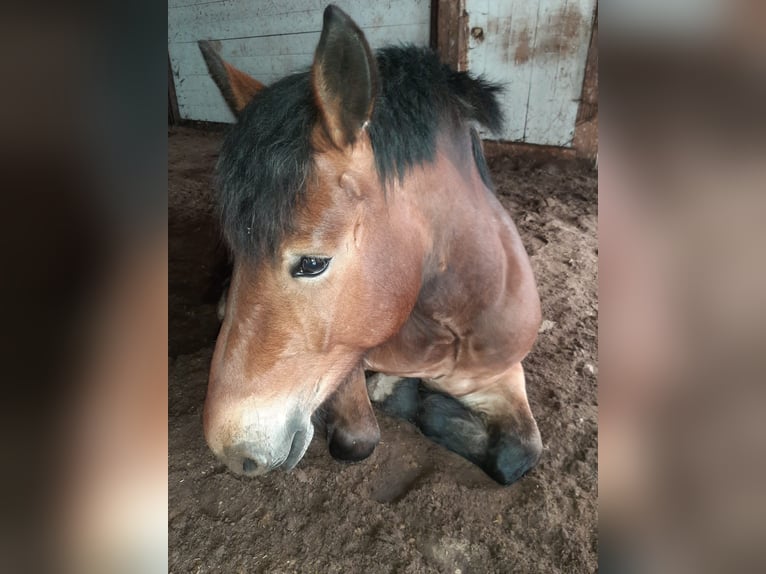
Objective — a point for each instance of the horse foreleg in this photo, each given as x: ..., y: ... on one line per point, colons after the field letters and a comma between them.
x: 352, y: 430
x: 396, y: 396
x: 492, y: 427
x: 440, y: 417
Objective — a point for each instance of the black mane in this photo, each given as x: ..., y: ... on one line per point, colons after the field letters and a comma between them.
x: 266, y: 159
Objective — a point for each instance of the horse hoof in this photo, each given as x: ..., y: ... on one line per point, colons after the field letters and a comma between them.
x: 509, y: 458
x: 348, y: 447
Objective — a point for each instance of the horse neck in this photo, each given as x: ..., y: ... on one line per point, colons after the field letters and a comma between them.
x: 463, y: 218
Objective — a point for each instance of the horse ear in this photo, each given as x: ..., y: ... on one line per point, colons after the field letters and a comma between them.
x: 344, y: 77
x: 237, y: 87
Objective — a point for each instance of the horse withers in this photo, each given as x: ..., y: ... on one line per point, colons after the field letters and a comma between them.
x: 366, y: 237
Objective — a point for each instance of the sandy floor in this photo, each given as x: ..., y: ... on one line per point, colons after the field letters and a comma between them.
x: 412, y: 506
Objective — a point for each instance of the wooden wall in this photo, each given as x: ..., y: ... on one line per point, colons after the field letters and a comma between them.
x: 270, y: 39
x: 538, y: 49
x: 544, y: 52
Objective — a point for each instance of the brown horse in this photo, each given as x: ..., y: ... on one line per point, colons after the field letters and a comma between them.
x: 366, y: 237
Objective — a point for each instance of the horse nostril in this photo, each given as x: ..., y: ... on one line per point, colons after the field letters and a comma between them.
x: 249, y: 465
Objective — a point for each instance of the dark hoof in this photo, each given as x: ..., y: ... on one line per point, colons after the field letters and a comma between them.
x: 348, y: 447
x: 501, y: 454
x: 508, y: 458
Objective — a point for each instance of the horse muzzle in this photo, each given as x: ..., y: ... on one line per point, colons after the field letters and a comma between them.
x: 254, y: 458
x: 253, y: 449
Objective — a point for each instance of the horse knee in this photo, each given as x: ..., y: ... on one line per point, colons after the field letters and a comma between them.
x: 510, y: 455
x: 447, y: 422
x: 397, y: 397
x: 353, y: 445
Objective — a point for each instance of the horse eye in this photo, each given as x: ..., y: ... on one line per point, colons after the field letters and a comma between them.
x: 311, y: 266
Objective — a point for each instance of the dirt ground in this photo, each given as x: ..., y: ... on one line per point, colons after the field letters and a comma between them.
x: 412, y: 506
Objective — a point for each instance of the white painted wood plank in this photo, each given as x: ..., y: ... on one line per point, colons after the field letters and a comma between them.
x: 501, y: 55
x: 538, y: 49
x: 269, y: 56
x: 561, y: 52
x: 243, y: 18
x: 291, y: 53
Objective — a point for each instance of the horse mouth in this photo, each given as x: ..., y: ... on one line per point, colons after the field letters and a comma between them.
x: 301, y: 441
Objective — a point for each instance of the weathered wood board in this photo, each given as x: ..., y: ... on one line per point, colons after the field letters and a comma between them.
x: 538, y: 50
x: 270, y: 39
